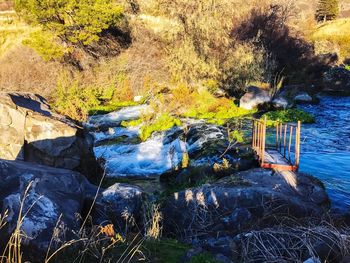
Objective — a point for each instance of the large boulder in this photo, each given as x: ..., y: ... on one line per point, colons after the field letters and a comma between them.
x: 46, y: 199
x: 242, y: 201
x: 32, y: 132
x: 303, y: 98
x: 254, y: 98
x: 53, y: 203
x: 337, y: 80
x: 120, y: 205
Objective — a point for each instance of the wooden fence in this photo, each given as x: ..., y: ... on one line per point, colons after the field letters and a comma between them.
x: 284, y: 152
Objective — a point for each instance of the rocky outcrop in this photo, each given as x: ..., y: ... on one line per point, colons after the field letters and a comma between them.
x: 54, y: 203
x: 32, y: 132
x: 240, y: 202
x: 120, y: 205
x: 254, y: 98
x: 337, y: 80
x: 50, y: 197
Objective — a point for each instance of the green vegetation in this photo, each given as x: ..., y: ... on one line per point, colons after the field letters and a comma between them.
x: 327, y: 10
x: 161, y: 123
x: 333, y: 36
x: 203, y: 258
x: 347, y: 67
x: 290, y: 115
x: 45, y: 44
x: 78, y: 22
x: 167, y: 250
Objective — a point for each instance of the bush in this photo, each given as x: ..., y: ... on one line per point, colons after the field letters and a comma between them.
x: 75, y: 21
x: 75, y: 101
x: 286, y: 116
x: 45, y: 44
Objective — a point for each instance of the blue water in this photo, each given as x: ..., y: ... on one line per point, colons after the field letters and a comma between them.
x: 325, y: 148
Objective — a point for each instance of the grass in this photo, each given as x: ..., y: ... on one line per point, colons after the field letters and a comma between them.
x: 161, y: 123
x: 337, y: 34
x: 286, y: 116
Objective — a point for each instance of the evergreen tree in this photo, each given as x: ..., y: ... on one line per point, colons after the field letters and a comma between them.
x: 327, y: 10
x: 74, y: 21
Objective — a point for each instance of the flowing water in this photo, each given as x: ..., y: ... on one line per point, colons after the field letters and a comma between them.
x: 325, y: 147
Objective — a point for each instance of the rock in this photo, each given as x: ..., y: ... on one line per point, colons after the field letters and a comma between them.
x: 239, y: 218
x: 281, y: 103
x: 303, y: 97
x: 221, y: 258
x: 251, y: 195
x: 54, y: 198
x: 32, y: 132
x: 222, y: 245
x: 337, y: 80
x: 254, y: 98
x: 120, y: 205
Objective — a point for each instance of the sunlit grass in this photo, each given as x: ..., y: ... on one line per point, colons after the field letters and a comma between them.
x: 337, y: 33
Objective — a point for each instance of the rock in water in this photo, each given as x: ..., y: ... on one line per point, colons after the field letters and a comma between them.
x: 238, y: 202
x: 254, y: 98
x: 303, y: 97
x: 32, y: 132
x: 337, y: 80
x: 54, y: 197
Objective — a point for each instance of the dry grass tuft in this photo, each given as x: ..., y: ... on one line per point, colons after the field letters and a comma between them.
x: 293, y: 244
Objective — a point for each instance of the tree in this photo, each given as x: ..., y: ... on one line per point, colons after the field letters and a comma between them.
x: 74, y: 21
x: 327, y: 10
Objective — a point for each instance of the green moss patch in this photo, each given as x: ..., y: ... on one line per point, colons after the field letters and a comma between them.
x: 286, y: 116
x: 162, y: 123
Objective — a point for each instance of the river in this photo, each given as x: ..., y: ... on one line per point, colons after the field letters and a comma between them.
x: 325, y: 147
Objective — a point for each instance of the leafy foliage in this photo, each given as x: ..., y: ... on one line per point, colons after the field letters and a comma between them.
x: 75, y: 21
x: 290, y: 115
x: 45, y: 44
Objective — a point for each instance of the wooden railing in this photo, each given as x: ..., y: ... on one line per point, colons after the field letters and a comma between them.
x: 287, y: 144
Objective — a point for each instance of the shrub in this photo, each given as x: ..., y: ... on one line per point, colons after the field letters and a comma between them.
x: 75, y: 21
x: 327, y: 10
x: 73, y: 100
x: 45, y: 44
x: 290, y: 115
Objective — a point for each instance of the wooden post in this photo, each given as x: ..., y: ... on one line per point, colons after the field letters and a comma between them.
x: 290, y: 142
x: 264, y: 141
x: 297, y: 146
x: 285, y: 140
x: 277, y: 125
x: 281, y: 128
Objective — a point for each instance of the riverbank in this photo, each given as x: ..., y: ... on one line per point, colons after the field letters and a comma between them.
x: 202, y: 189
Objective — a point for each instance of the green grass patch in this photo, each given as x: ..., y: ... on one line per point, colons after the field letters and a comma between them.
x: 286, y: 116
x: 347, y: 67
x: 132, y: 123
x: 161, y: 123
x: 167, y: 250
x: 218, y: 113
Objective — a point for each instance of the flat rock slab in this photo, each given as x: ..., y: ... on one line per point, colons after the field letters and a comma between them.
x: 241, y: 201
